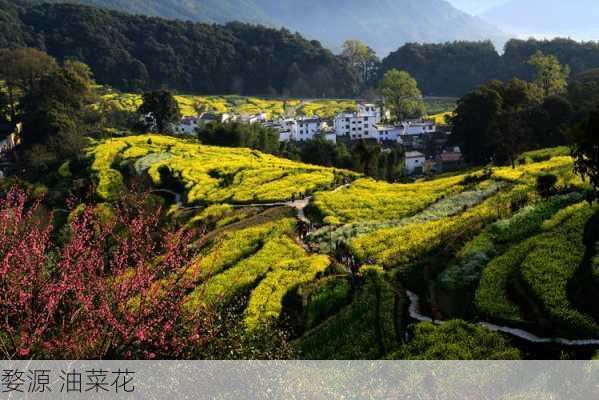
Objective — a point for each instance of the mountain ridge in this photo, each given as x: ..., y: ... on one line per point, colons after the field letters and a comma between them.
x: 382, y: 24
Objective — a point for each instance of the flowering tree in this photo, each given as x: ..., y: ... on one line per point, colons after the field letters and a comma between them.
x: 108, y: 285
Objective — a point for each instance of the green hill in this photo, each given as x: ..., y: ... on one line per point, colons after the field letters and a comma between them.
x: 132, y: 52
x: 382, y: 24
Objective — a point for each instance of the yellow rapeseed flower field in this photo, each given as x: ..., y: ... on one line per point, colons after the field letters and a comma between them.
x: 209, y: 174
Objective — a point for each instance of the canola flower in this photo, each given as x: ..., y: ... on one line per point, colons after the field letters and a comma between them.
x: 191, y: 105
x: 239, y: 278
x: 370, y: 200
x: 266, y: 300
x: 209, y: 174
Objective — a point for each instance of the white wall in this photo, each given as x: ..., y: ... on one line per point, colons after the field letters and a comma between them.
x: 413, y: 163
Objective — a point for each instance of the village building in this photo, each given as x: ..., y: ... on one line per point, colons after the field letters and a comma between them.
x: 190, y: 125
x: 253, y: 118
x: 414, y: 162
x: 413, y: 134
x: 451, y: 159
x: 359, y: 125
x: 303, y: 129
x: 388, y: 133
x: 307, y: 128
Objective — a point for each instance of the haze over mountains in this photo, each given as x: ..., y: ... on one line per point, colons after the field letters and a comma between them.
x: 476, y: 7
x: 547, y: 18
x: 383, y: 24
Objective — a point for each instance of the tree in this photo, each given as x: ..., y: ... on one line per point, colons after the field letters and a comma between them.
x: 367, y: 157
x: 474, y: 123
x: 456, y: 340
x: 321, y: 151
x: 21, y: 70
x: 493, y: 122
x: 549, y: 121
x: 401, y: 95
x: 111, y: 285
x: 546, y: 184
x: 513, y: 133
x: 583, y: 90
x: 362, y: 61
x: 550, y: 75
x: 162, y: 109
x: 56, y: 113
x: 237, y: 134
x: 586, y: 149
x: 512, y: 136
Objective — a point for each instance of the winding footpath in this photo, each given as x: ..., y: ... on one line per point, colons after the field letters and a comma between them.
x: 414, y: 311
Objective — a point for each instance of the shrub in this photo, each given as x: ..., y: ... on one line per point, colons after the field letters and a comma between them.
x: 546, y: 184
x: 529, y: 220
x: 234, y: 246
x: 369, y: 200
x: 224, y: 287
x: 357, y: 332
x: 492, y: 298
x: 325, y: 298
x: 455, y: 340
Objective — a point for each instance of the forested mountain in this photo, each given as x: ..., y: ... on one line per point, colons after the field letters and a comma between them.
x: 382, y: 24
x: 547, y: 18
x: 138, y: 52
x: 452, y: 69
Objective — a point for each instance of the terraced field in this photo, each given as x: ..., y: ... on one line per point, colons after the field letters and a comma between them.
x: 524, y: 260
x: 191, y: 105
x: 273, y: 108
x: 207, y: 174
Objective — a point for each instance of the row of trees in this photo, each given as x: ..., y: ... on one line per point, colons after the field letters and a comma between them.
x: 454, y: 69
x: 498, y: 120
x: 135, y: 53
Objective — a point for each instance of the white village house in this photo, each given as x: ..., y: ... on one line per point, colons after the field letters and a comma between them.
x: 359, y: 125
x: 307, y: 128
x: 411, y: 132
x: 302, y: 129
x: 388, y: 133
x: 414, y: 162
x: 189, y: 125
x: 253, y: 119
